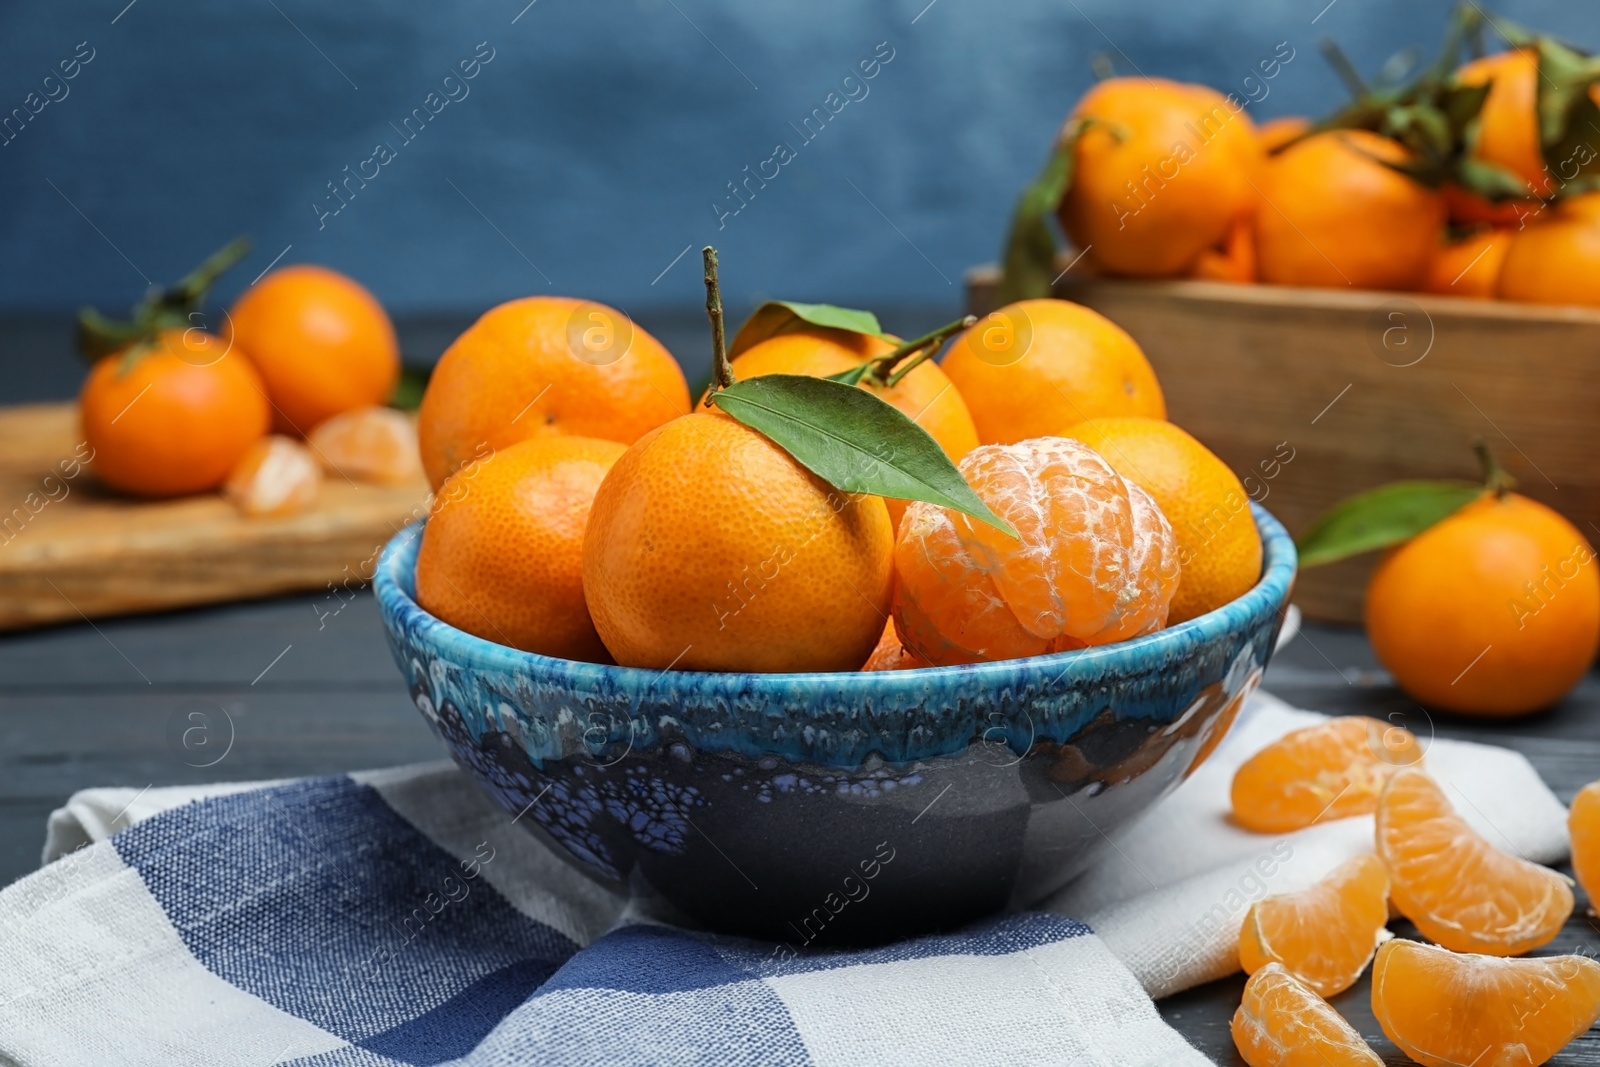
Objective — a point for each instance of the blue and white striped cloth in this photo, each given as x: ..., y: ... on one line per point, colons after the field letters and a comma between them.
x: 398, y: 917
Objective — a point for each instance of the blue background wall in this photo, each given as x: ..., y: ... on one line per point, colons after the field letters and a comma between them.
x: 590, y: 149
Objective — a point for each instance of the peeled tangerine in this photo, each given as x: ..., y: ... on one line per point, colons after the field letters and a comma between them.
x: 375, y: 444
x: 1324, y: 935
x: 1094, y: 560
x: 1456, y: 887
x: 1444, y: 1008
x: 1327, y: 771
x: 1282, y: 1023
x: 276, y: 478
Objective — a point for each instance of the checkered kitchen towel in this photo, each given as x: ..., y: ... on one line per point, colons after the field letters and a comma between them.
x: 398, y: 918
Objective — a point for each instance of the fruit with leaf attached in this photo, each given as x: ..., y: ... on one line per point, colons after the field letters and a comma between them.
x: 322, y: 343
x: 1493, y: 611
x: 1507, y: 136
x: 1219, y: 547
x: 502, y: 552
x: 1556, y: 258
x: 543, y: 366
x: 172, y: 415
x: 1159, y: 172
x: 924, y: 395
x: 1336, y: 213
x: 1469, y: 266
x: 711, y: 548
x: 1036, y: 367
x: 1093, y: 562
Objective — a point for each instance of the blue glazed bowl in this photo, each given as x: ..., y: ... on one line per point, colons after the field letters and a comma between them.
x: 837, y: 808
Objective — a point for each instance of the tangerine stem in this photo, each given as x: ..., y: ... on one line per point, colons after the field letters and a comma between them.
x: 878, y: 367
x: 721, y: 369
x: 1496, y: 478
x: 933, y: 342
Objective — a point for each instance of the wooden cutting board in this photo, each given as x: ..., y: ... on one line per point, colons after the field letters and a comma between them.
x: 71, y: 549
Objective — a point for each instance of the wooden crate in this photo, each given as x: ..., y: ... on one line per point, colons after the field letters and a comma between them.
x: 1363, y: 387
x: 69, y: 549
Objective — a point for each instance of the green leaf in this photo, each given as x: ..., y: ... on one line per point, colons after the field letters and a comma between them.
x: 409, y: 387
x: 1029, y: 264
x: 785, y: 316
x: 852, y: 440
x: 1381, y: 517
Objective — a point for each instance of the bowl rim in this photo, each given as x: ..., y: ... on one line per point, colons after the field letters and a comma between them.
x: 394, y: 584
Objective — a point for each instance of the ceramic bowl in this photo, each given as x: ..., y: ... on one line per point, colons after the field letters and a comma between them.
x: 837, y: 808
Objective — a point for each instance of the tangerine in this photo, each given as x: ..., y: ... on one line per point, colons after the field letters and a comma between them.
x: 1445, y: 1008
x: 1457, y: 888
x: 1235, y: 261
x: 1323, y: 935
x: 1336, y: 213
x: 925, y: 395
x: 1277, y: 134
x: 891, y: 655
x: 1035, y: 367
x: 711, y: 548
x: 502, y: 552
x: 1507, y: 135
x: 1282, y: 1023
x: 1470, y: 266
x: 1494, y: 610
x: 1219, y: 547
x: 1331, y: 770
x: 369, y: 445
x: 1555, y: 259
x: 1093, y: 562
x: 173, y: 415
x: 542, y: 366
x: 322, y: 342
x: 277, y: 477
x: 1160, y: 172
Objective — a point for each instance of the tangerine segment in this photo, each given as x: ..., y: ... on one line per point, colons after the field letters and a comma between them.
x: 373, y: 444
x: 1455, y: 886
x: 1324, y: 935
x: 1328, y: 771
x: 1583, y: 822
x: 1282, y: 1023
x: 277, y: 477
x: 1445, y: 1009
x: 1094, y: 559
